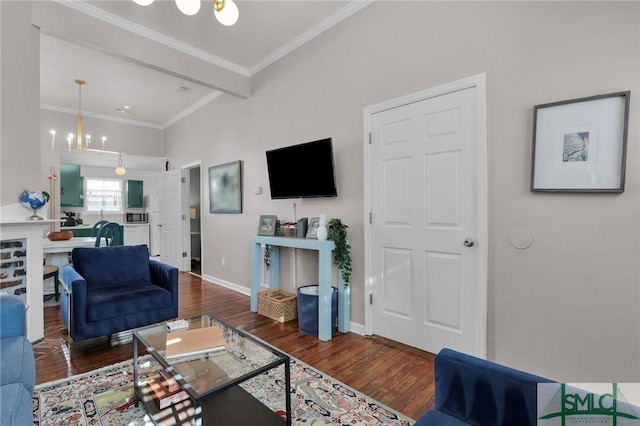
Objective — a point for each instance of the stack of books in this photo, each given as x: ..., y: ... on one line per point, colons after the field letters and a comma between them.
x: 177, y: 325
x: 165, y: 391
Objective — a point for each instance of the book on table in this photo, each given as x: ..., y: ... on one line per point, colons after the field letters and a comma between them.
x: 201, y: 373
x: 162, y: 395
x: 194, y: 341
x: 169, y: 381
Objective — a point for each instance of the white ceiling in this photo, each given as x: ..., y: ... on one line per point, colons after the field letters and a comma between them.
x: 266, y: 31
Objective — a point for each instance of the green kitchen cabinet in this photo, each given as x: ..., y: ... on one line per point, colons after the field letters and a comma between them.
x: 135, y: 194
x: 71, y: 186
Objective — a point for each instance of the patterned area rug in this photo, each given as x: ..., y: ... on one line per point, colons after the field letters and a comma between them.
x: 104, y: 397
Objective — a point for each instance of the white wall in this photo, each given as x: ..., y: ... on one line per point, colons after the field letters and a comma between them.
x: 567, y: 307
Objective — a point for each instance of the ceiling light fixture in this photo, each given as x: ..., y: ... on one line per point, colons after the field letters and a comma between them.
x: 120, y: 170
x: 82, y: 144
x: 225, y: 11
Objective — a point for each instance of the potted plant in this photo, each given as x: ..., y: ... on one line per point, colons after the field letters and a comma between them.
x: 342, y: 252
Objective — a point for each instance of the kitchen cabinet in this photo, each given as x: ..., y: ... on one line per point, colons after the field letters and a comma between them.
x: 136, y: 234
x: 71, y: 186
x: 134, y: 193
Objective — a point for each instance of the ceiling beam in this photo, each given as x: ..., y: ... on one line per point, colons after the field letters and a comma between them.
x: 129, y: 42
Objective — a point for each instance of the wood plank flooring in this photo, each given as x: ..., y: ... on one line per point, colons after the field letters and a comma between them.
x: 398, y: 376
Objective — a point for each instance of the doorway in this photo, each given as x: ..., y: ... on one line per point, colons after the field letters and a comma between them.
x: 426, y: 243
x: 194, y: 203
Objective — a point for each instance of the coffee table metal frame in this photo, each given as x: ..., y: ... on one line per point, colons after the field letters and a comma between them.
x: 229, y: 391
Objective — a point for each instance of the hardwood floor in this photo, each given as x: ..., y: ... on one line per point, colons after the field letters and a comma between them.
x: 398, y: 376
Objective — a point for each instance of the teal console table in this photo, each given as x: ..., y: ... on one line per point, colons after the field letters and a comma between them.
x: 325, y: 267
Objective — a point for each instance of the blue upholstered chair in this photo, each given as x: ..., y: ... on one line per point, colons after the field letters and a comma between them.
x: 17, y: 364
x: 116, y: 288
x: 474, y: 391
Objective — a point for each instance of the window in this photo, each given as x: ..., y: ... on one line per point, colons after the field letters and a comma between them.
x: 103, y: 195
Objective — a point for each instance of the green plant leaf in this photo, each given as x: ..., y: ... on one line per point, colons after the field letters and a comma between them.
x: 342, y: 252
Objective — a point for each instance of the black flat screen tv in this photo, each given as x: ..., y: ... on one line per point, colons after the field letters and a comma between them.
x: 302, y: 171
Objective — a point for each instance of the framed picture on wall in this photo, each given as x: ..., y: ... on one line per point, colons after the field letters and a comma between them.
x: 225, y: 188
x: 267, y: 225
x: 312, y: 230
x: 580, y: 145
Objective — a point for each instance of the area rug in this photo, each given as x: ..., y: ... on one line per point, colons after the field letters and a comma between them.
x: 104, y: 397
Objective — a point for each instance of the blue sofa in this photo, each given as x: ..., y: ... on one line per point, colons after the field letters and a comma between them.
x: 116, y: 288
x: 473, y: 391
x: 17, y: 364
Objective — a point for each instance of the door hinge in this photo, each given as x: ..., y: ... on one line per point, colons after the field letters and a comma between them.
x: 369, y: 138
x: 370, y: 218
x: 184, y: 217
x: 371, y: 298
x: 184, y: 254
x: 183, y: 180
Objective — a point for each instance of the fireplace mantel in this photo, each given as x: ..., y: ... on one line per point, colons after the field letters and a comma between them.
x: 33, y: 232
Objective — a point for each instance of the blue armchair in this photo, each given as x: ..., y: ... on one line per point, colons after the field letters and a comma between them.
x: 17, y: 364
x: 112, y: 289
x: 473, y: 391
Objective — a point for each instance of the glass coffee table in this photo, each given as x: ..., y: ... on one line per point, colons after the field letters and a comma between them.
x: 212, y: 379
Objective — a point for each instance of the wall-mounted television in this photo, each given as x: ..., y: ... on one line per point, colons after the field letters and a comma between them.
x: 302, y: 171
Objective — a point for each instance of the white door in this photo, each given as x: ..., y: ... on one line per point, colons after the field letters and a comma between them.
x: 426, y: 238
x: 171, y: 219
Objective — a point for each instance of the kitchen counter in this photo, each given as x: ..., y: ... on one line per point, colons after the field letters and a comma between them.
x: 57, y: 252
x: 65, y: 246
x: 71, y: 228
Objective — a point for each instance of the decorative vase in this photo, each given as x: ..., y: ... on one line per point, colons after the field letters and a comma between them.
x: 321, y: 234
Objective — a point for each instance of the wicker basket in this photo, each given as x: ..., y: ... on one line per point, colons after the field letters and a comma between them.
x: 278, y: 305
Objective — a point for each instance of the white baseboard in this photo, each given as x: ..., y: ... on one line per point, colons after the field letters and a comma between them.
x: 227, y: 284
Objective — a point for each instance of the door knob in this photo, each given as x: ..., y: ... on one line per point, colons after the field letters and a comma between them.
x: 469, y: 242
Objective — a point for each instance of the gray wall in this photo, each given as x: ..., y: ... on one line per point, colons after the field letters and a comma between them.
x: 567, y: 307
x: 19, y: 104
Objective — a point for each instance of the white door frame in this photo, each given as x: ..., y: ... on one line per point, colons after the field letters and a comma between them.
x: 479, y: 82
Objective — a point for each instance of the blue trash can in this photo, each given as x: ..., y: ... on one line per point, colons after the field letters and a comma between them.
x: 308, y: 301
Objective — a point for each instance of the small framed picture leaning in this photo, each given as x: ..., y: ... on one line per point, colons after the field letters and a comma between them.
x: 312, y: 230
x: 267, y: 225
x: 580, y: 145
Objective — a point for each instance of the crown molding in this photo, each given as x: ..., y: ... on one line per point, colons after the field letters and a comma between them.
x: 193, y: 108
x: 100, y: 116
x: 334, y: 19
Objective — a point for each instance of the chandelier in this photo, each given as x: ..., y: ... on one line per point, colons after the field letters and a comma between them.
x: 83, y: 142
x: 225, y: 11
